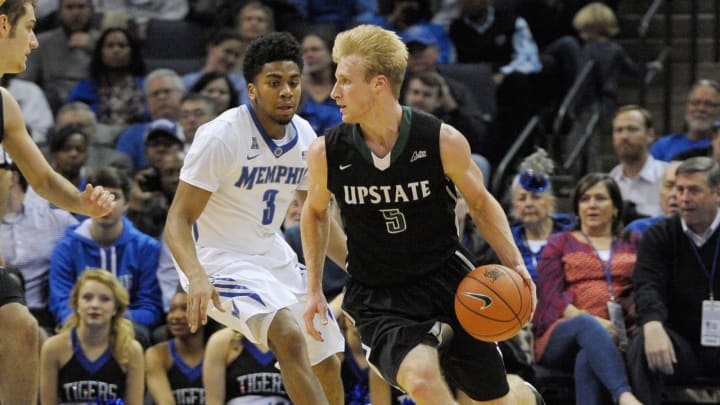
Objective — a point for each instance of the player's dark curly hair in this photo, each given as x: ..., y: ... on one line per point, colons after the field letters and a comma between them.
x: 15, y: 10
x: 273, y: 47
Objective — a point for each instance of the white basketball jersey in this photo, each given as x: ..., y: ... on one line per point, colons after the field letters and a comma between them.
x: 252, y: 179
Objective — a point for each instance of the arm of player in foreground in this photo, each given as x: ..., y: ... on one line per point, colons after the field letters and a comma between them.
x: 93, y: 201
x: 484, y: 208
x: 314, y: 228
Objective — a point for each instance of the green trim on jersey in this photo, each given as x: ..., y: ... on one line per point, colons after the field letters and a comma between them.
x: 403, y: 135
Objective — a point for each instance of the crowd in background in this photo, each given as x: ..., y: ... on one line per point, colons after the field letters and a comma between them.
x: 106, y: 112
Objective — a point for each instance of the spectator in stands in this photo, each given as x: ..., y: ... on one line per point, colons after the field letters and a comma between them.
x: 584, y: 301
x: 174, y: 367
x: 68, y: 153
x: 163, y: 89
x: 638, y: 174
x: 96, y: 329
x: 224, y: 49
x: 218, y: 87
x: 712, y: 150
x: 408, y: 15
x: 252, y: 21
x: 154, y: 187
x: 318, y: 80
x: 486, y: 34
x: 675, y: 283
x: 429, y: 92
x: 596, y: 23
x: 332, y: 16
x: 702, y: 108
x: 100, y: 152
x: 33, y: 104
x: 141, y: 12
x: 195, y: 110
x: 668, y: 200
x: 423, y: 57
x: 29, y: 233
x: 152, y: 193
x: 533, y: 206
x: 114, y: 244
x: 232, y: 364
x: 66, y: 52
x: 117, y: 73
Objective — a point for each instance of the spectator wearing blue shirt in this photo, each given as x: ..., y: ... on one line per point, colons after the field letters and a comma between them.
x: 111, y: 243
x: 164, y: 89
x: 412, y: 13
x: 334, y: 16
x: 318, y: 80
x: 702, y: 108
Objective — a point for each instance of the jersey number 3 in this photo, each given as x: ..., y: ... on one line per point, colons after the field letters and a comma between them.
x: 394, y: 220
x: 269, y: 210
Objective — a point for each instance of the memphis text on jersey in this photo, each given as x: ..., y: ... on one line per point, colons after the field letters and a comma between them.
x: 270, y: 175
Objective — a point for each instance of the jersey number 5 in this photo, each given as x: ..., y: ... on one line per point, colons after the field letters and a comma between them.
x: 394, y: 220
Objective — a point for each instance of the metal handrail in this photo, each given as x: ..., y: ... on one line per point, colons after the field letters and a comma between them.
x: 647, y: 18
x: 694, y: 32
x: 583, y: 140
x: 510, y: 155
x: 651, y: 73
x: 570, y: 99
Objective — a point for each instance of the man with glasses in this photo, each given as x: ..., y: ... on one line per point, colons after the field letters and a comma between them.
x: 163, y: 89
x: 195, y: 110
x: 701, y: 110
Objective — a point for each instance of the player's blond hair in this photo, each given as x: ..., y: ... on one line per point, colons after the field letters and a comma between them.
x: 121, y: 331
x: 598, y: 19
x: 382, y: 51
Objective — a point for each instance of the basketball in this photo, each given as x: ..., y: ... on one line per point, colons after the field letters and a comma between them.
x: 493, y: 303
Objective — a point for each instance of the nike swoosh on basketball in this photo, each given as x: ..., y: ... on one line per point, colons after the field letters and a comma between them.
x: 343, y: 167
x: 482, y: 297
x: 253, y: 157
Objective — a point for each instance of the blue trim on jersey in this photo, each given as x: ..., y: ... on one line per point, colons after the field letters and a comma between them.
x: 262, y: 357
x: 92, y: 367
x: 192, y: 373
x: 196, y: 233
x: 277, y: 150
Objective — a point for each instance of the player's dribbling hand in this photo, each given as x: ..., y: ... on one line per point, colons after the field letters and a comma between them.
x: 523, y: 271
x: 96, y: 201
x: 316, y: 305
x: 200, y: 293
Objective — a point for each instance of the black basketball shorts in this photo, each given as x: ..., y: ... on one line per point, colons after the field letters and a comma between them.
x: 10, y: 290
x: 392, y: 320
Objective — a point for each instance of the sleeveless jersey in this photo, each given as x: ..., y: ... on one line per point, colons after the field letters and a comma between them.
x: 252, y: 178
x: 400, y: 222
x: 4, y: 158
x: 185, y: 381
x: 253, y: 379
x: 81, y: 381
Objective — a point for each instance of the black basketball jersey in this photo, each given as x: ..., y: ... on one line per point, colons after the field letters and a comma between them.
x: 253, y: 373
x: 81, y: 381
x: 185, y: 381
x: 4, y: 158
x: 400, y: 222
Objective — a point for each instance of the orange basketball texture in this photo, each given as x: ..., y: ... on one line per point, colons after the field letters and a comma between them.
x: 493, y: 303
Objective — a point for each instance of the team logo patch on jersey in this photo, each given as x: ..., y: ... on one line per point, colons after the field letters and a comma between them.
x: 254, y: 143
x: 418, y: 154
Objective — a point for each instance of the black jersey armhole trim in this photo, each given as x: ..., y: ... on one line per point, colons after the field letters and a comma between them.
x: 403, y: 135
x: 2, y: 119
